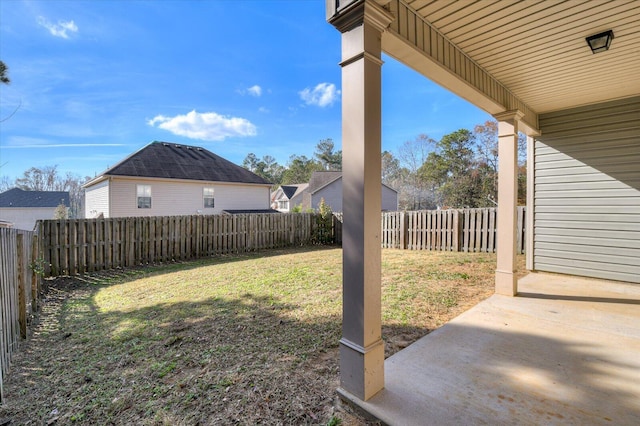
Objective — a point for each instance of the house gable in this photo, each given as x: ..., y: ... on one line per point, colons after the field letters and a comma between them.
x: 287, y: 197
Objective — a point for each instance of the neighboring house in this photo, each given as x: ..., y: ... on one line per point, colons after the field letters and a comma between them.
x: 328, y: 186
x: 583, y: 206
x: 169, y: 179
x: 325, y: 185
x: 286, y: 197
x: 21, y: 209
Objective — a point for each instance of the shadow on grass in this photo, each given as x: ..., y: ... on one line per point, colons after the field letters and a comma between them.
x: 245, y: 359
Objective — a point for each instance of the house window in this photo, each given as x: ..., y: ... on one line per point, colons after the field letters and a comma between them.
x: 207, y: 195
x: 283, y: 204
x: 144, y: 196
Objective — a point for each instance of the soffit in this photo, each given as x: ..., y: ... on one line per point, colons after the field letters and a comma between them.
x: 537, y: 48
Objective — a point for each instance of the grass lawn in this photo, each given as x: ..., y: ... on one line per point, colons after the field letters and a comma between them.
x: 242, y: 339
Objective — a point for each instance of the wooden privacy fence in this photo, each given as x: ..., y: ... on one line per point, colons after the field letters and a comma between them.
x: 467, y: 230
x: 78, y: 246
x: 19, y: 291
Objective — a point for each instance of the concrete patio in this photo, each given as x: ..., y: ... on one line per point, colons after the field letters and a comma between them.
x: 565, y: 351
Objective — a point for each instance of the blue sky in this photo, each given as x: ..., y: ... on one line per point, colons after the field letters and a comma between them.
x: 97, y: 80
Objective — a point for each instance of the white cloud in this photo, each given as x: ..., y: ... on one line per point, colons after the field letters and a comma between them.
x: 255, y: 90
x: 60, y: 29
x: 324, y: 94
x: 207, y: 126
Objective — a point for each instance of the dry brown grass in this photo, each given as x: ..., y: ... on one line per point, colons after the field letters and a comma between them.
x: 246, y: 339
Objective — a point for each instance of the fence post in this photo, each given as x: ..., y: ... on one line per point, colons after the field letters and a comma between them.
x: 35, y: 275
x: 521, y: 230
x: 22, y: 305
x: 455, y: 244
x: 404, y: 230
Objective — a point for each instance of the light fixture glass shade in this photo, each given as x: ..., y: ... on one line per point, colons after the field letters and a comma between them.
x: 600, y: 42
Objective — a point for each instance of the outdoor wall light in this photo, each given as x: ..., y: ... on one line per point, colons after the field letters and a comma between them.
x: 600, y: 42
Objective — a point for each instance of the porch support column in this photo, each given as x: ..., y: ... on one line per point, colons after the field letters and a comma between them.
x: 506, y: 280
x: 361, y: 347
x: 530, y: 216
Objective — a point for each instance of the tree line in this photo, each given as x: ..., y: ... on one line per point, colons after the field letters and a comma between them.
x: 458, y: 171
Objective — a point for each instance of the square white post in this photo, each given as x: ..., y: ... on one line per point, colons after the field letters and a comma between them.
x: 506, y: 280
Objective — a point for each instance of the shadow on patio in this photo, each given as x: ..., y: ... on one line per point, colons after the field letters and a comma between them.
x: 565, y: 351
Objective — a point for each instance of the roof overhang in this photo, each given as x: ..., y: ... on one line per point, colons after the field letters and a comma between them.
x: 510, y: 55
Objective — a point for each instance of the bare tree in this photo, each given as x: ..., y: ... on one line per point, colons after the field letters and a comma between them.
x: 415, y: 193
x: 48, y: 179
x: 5, y: 183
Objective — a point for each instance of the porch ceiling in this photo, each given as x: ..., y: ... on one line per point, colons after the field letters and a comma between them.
x: 537, y: 50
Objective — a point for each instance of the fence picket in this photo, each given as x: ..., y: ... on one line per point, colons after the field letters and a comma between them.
x: 86, y: 245
x: 18, y: 291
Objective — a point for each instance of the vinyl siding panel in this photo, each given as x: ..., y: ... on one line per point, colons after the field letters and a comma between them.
x: 96, y: 200
x: 175, y: 198
x: 389, y: 199
x: 587, y: 191
x: 26, y: 217
x: 241, y: 197
x: 332, y: 194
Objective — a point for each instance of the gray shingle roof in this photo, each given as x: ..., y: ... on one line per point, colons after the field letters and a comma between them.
x: 17, y: 197
x: 174, y: 161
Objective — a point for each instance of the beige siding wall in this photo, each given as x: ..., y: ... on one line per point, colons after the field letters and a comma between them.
x: 173, y: 198
x: 587, y: 192
x: 25, y: 218
x: 96, y: 200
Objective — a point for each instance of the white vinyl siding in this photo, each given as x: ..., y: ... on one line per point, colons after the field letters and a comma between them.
x: 26, y: 217
x: 587, y: 192
x: 96, y: 200
x: 173, y: 198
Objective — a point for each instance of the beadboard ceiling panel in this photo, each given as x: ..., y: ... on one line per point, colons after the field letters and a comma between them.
x: 537, y: 48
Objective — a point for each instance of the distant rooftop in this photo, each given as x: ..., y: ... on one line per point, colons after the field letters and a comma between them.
x: 175, y: 161
x: 17, y: 197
